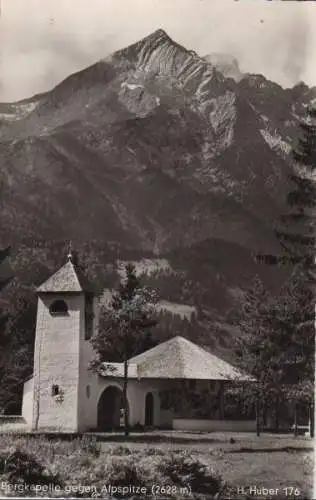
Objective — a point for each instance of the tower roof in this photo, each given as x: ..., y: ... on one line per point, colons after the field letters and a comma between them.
x: 69, y: 278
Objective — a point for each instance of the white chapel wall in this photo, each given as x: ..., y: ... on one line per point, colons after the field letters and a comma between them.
x: 56, y: 361
x: 27, y: 402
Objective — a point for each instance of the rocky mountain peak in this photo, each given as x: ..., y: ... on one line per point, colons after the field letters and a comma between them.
x: 154, y: 152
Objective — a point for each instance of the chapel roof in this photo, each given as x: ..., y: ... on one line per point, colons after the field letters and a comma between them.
x: 69, y: 278
x: 179, y: 358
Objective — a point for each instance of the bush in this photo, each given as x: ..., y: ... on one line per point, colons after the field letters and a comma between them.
x: 19, y: 466
x: 90, y: 445
x: 121, y: 450
x: 123, y: 472
x: 155, y: 452
x: 185, y: 470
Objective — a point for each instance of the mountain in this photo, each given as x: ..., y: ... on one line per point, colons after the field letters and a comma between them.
x: 225, y: 64
x: 156, y: 152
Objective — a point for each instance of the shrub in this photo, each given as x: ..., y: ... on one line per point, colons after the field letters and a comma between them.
x: 123, y: 472
x: 155, y: 452
x: 185, y: 470
x: 90, y: 445
x: 120, y: 450
x: 18, y: 466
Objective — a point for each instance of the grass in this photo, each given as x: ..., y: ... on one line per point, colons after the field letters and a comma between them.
x: 207, y: 464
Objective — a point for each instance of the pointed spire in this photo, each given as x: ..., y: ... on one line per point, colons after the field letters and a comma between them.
x: 72, y: 255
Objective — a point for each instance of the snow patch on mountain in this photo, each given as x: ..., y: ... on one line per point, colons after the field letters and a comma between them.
x: 131, y: 86
x: 18, y: 111
x: 182, y: 310
x: 276, y: 142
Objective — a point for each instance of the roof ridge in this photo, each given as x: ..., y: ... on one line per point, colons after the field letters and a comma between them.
x: 181, y: 355
x: 68, y: 278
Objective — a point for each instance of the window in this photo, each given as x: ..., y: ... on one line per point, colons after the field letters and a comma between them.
x: 55, y: 390
x: 58, y: 308
x: 88, y: 391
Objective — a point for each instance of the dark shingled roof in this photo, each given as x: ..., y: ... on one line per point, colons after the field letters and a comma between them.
x: 69, y: 278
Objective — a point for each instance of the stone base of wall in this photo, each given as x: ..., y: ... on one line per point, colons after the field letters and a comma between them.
x: 214, y: 425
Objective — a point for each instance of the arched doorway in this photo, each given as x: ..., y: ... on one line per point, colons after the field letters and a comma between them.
x: 109, y: 408
x: 149, y: 409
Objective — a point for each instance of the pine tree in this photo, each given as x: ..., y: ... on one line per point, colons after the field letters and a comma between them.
x: 125, y: 328
x: 296, y: 229
x: 4, y: 280
x: 297, y: 236
x: 294, y: 323
x: 296, y: 233
x: 273, y: 350
x: 255, y: 350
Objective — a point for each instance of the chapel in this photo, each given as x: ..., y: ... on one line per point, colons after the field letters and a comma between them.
x: 64, y: 395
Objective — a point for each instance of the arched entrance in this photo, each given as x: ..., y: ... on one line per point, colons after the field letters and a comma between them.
x: 109, y: 408
x: 149, y: 409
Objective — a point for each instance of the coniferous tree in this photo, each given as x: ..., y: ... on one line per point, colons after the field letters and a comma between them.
x: 296, y: 233
x: 257, y: 352
x: 125, y: 328
x: 19, y: 346
x: 296, y: 229
x: 4, y: 253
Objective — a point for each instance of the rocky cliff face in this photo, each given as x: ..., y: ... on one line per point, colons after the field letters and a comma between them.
x: 151, y: 148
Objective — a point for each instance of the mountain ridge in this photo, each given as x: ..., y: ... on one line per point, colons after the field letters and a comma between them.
x: 151, y: 151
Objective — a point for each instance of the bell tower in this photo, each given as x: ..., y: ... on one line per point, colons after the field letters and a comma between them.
x: 66, y: 319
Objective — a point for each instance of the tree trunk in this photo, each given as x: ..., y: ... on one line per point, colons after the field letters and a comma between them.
x: 277, y: 413
x: 264, y: 416
x: 125, y: 402
x: 311, y: 420
x: 295, y: 419
x: 258, y: 415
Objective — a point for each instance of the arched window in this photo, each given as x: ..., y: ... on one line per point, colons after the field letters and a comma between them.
x: 58, y: 308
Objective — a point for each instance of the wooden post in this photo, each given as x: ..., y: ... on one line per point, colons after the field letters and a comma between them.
x: 221, y: 401
x: 125, y: 380
x: 125, y: 403
x: 258, y: 415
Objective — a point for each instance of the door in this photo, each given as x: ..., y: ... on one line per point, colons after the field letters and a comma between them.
x: 149, y: 410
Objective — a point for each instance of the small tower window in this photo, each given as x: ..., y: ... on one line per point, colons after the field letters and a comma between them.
x: 55, y: 390
x: 58, y: 308
x: 88, y: 391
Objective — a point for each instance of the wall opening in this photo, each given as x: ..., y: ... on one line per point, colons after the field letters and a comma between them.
x: 55, y: 390
x: 149, y: 409
x: 109, y: 409
x: 58, y: 308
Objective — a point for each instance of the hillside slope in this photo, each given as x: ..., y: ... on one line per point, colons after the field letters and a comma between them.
x: 150, y: 152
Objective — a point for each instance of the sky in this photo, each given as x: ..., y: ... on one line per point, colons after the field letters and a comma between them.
x: 44, y: 41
